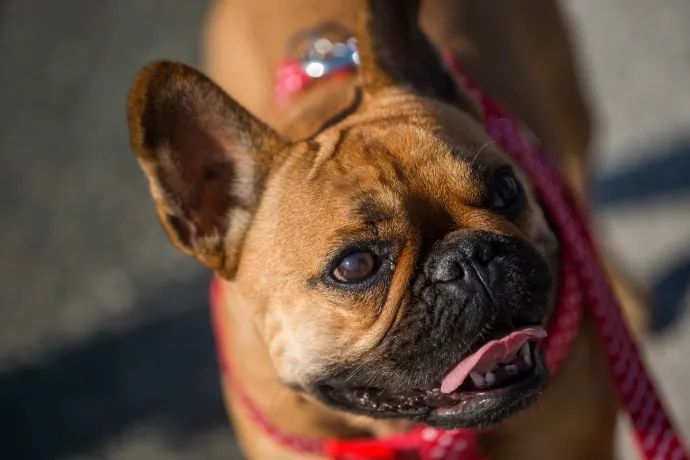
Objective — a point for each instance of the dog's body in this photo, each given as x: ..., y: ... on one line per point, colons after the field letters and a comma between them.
x: 519, y: 53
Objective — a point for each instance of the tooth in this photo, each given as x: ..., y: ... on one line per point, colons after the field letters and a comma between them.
x: 477, y: 379
x: 490, y: 378
x: 526, y: 354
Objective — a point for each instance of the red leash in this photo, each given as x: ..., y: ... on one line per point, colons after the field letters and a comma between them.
x: 582, y: 282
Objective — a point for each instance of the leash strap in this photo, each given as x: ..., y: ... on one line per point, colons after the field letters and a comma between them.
x: 582, y: 282
x: 654, y: 433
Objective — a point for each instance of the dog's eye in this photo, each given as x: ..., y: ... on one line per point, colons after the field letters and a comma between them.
x: 506, y: 191
x: 355, y: 267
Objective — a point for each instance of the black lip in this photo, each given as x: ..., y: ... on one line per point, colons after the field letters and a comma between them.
x: 466, y: 409
x: 485, y: 409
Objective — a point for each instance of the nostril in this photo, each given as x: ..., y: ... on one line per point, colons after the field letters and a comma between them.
x: 482, y: 252
x: 456, y: 271
x: 464, y: 261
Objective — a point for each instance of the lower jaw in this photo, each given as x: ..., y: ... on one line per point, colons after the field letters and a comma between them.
x: 469, y: 409
x: 474, y: 410
x: 484, y: 410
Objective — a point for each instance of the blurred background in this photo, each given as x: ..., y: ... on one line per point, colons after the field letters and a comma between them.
x: 105, y: 345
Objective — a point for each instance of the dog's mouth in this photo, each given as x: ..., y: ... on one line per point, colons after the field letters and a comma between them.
x: 499, y: 374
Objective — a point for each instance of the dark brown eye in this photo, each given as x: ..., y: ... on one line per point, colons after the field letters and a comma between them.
x: 505, y: 192
x: 355, y: 267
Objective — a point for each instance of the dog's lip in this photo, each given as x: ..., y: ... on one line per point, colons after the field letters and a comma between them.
x: 490, y: 353
x: 430, y: 401
x: 520, y: 392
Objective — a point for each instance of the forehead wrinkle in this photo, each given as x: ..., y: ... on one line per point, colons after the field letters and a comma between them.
x: 329, y: 142
x: 410, y: 116
x: 398, y: 109
x: 386, y: 108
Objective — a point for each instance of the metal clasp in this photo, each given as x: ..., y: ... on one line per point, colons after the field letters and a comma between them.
x: 324, y: 49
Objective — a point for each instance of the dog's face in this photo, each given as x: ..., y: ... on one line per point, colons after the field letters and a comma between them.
x: 397, y: 263
x: 386, y: 249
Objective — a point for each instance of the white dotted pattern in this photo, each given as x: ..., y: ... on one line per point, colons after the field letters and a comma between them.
x: 653, y: 430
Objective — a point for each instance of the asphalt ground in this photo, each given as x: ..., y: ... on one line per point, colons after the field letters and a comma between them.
x: 105, y: 345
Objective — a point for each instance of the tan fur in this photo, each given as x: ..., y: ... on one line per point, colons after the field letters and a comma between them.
x: 400, y: 148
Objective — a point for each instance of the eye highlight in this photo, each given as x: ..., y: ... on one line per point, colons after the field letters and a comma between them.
x: 506, y: 191
x: 356, y: 266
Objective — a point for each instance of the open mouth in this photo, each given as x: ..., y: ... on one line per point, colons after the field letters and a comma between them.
x: 503, y: 369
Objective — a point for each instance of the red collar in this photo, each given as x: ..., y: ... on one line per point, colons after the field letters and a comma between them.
x: 582, y: 282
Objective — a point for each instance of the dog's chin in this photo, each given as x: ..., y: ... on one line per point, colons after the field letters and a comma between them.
x: 466, y: 407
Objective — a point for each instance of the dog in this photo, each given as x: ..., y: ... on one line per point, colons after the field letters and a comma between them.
x: 369, y: 234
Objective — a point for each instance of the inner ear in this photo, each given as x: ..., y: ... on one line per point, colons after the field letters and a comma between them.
x: 205, y: 156
x: 195, y: 173
x: 394, y: 51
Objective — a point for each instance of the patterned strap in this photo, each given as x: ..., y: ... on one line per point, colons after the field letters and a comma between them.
x: 654, y: 432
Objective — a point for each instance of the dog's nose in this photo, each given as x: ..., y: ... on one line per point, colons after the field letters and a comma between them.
x: 464, y: 260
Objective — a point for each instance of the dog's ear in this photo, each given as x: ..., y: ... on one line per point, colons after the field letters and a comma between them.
x: 394, y: 51
x: 205, y: 156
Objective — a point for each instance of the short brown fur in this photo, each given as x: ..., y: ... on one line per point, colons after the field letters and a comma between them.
x: 401, y: 150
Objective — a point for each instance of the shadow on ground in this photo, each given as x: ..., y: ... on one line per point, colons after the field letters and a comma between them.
x: 164, y: 370
x: 665, y: 176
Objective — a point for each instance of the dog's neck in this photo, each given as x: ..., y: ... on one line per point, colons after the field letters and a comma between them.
x: 307, y: 112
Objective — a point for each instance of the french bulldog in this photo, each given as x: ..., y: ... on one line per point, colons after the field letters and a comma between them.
x: 371, y: 237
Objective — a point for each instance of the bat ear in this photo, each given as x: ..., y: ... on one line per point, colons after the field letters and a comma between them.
x: 394, y: 51
x: 205, y: 156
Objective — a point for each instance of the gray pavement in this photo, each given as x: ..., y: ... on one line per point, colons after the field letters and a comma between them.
x: 105, y: 348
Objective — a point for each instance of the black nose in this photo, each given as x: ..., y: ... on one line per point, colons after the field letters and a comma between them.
x: 464, y: 260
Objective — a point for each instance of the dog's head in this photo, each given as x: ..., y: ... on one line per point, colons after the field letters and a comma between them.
x: 397, y: 263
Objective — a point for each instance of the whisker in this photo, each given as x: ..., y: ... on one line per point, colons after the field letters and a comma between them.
x: 278, y: 399
x: 373, y: 379
x: 480, y: 151
x: 354, y: 371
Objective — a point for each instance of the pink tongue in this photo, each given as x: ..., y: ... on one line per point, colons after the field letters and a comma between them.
x: 493, y: 352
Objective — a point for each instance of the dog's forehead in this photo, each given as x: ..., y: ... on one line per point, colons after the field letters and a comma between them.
x: 415, y: 146
x: 410, y: 127
x: 406, y: 163
x: 402, y: 163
